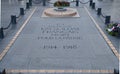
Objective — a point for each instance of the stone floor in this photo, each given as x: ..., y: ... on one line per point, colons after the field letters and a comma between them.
x: 58, y: 43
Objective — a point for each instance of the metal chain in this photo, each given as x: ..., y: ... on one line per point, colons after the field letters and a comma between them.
x: 102, y: 15
x: 50, y: 2
x: 84, y: 2
x: 7, y: 26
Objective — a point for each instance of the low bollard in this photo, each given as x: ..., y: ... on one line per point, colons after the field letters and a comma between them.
x: 30, y: 2
x: 91, y: 2
x: 77, y: 2
x: 27, y: 5
x: 4, y: 72
x: 22, y: 11
x: 1, y: 33
x: 107, y: 19
x: 13, y: 19
x: 99, y: 11
x: 116, y: 71
x: 93, y: 5
x: 44, y: 2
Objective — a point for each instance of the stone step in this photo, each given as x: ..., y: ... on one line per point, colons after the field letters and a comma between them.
x: 71, y: 71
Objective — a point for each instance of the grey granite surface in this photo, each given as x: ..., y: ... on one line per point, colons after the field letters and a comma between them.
x: 58, y: 43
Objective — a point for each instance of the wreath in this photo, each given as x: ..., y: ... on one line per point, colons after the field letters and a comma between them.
x: 61, y: 4
x: 113, y: 29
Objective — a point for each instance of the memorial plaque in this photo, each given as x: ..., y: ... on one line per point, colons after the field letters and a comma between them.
x: 63, y: 36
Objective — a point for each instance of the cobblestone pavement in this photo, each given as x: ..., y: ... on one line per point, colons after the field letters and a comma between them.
x: 109, y: 7
x: 11, y: 7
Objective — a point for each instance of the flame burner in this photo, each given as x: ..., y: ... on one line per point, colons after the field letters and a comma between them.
x: 60, y: 9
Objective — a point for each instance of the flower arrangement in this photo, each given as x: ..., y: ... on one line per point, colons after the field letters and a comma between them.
x: 61, y: 4
x: 113, y: 29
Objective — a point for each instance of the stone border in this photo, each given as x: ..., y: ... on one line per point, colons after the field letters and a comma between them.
x: 76, y: 14
x: 60, y: 71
